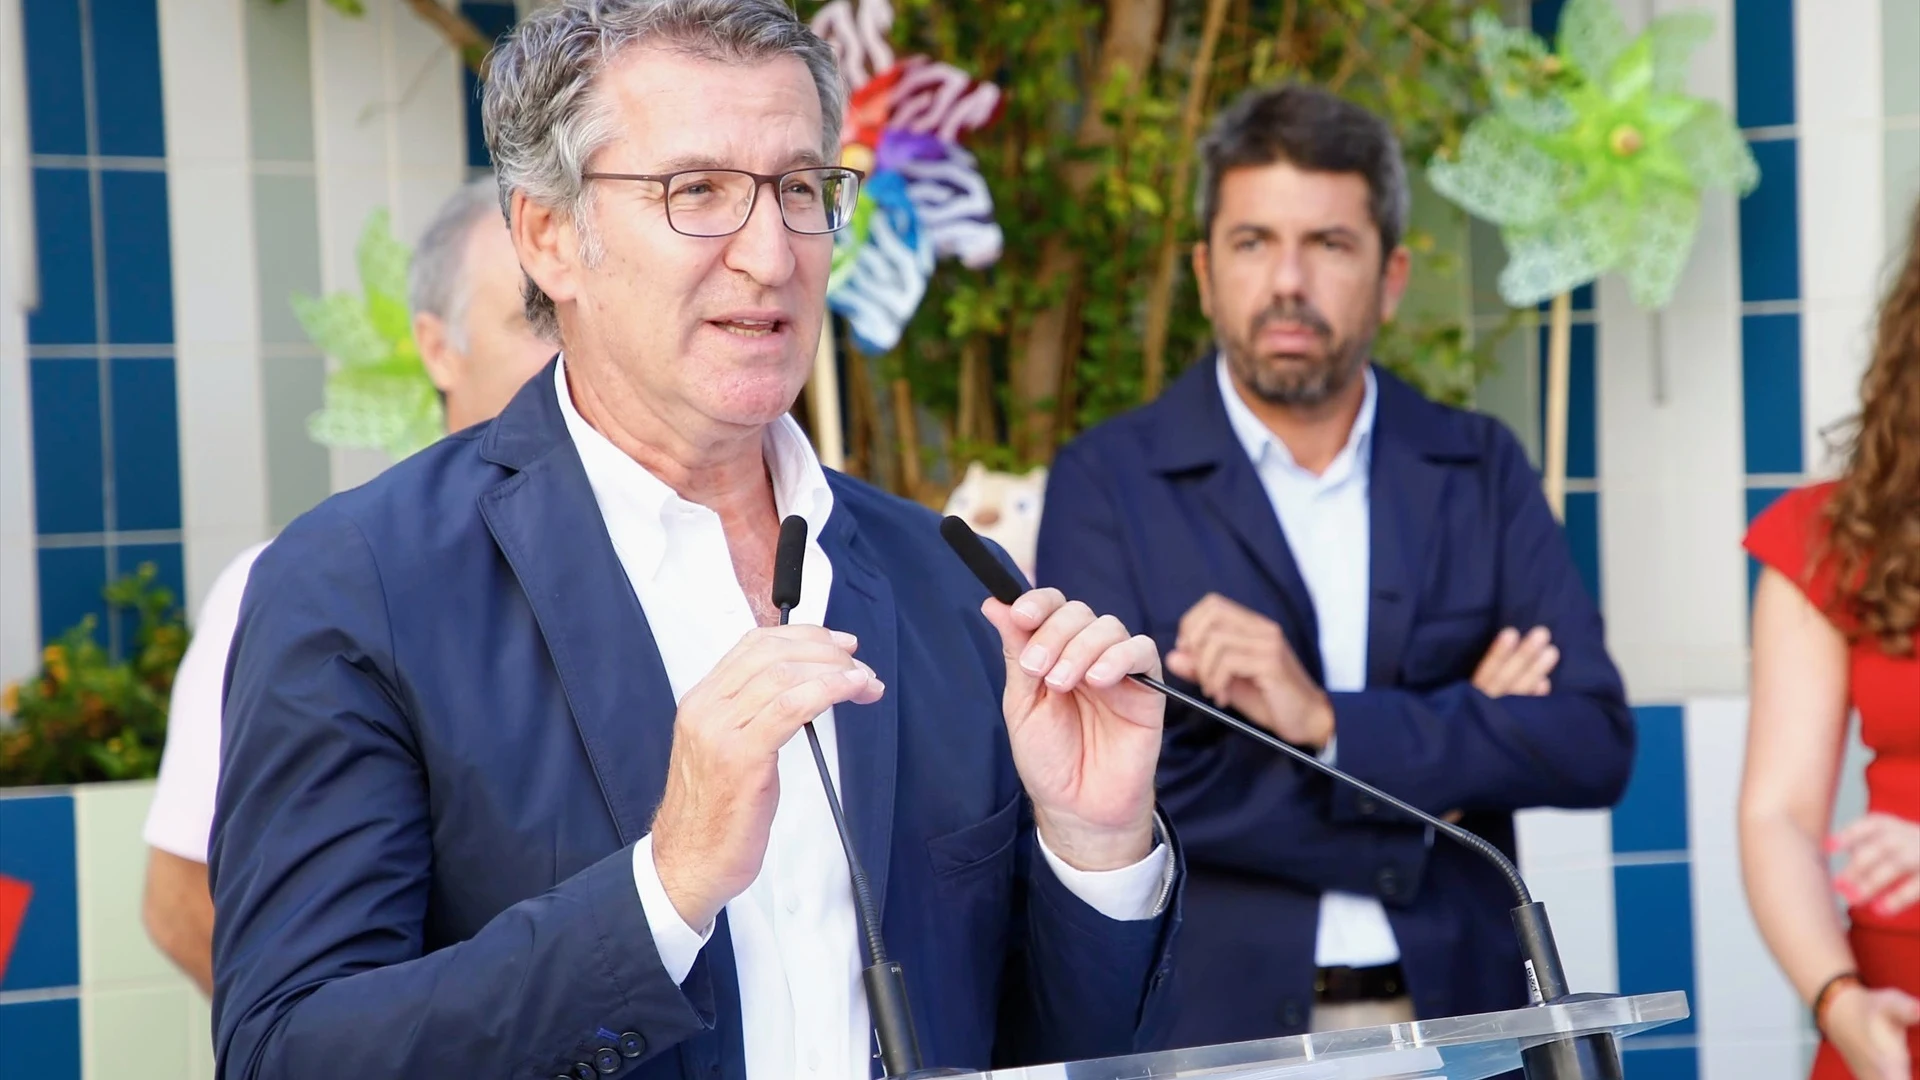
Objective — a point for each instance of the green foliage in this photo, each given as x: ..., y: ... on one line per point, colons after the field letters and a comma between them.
x: 1593, y: 158
x: 86, y: 716
x: 1394, y: 56
x: 378, y: 395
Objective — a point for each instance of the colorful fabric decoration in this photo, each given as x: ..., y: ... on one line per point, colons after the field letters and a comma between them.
x: 378, y: 393
x: 1593, y: 158
x: 924, y: 198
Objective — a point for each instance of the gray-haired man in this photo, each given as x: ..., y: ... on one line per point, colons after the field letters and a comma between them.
x: 521, y: 792
x: 464, y: 289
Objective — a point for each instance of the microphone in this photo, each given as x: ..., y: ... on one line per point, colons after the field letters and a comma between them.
x: 1594, y: 1056
x: 884, y: 979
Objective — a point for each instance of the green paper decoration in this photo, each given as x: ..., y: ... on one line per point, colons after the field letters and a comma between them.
x: 1593, y: 158
x: 378, y: 395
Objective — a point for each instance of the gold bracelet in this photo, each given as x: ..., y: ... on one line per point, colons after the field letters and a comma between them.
x: 1826, y: 988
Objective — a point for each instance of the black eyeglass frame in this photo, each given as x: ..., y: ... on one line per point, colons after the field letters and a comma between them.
x: 665, y: 180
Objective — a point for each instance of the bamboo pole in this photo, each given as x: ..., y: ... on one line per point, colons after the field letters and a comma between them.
x: 906, y: 430
x: 825, y: 399
x: 1160, y: 296
x: 1559, y: 361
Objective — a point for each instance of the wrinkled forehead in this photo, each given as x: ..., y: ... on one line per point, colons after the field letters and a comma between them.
x: 671, y: 109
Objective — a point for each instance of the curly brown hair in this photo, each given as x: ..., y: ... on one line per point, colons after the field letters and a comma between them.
x: 1874, y: 515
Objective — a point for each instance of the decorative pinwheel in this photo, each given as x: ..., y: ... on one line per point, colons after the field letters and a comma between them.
x: 1592, y: 160
x: 378, y: 395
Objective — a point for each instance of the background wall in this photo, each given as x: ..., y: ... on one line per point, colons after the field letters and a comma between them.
x: 180, y: 166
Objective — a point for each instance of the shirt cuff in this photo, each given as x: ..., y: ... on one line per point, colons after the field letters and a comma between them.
x: 1128, y: 894
x: 1326, y: 754
x: 677, y: 943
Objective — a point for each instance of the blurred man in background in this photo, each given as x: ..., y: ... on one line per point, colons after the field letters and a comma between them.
x: 473, y: 336
x: 1359, y: 571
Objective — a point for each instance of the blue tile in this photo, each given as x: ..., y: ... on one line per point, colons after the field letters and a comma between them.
x: 1545, y: 16
x: 69, y: 471
x: 72, y: 581
x: 492, y: 20
x: 169, y: 570
x: 1583, y: 448
x: 63, y: 237
x: 1652, y: 815
x: 56, y: 102
x: 1662, y: 1063
x: 1770, y: 226
x: 1653, y: 922
x: 36, y: 847
x: 41, y: 1039
x: 1770, y: 392
x: 126, y: 77
x: 146, y: 445
x: 1758, y: 499
x: 1582, y: 525
x: 1763, y: 62
x: 133, y: 214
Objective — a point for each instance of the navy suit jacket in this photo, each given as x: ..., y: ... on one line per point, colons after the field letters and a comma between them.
x: 447, y: 723
x: 1149, y: 512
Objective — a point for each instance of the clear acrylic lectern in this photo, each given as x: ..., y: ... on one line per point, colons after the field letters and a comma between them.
x: 1458, y: 1047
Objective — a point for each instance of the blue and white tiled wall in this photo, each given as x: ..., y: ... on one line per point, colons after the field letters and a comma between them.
x: 1683, y: 427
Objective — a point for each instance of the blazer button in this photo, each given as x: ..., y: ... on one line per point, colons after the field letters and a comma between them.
x: 1388, y: 881
x: 1292, y: 1016
x: 607, y: 1060
x: 584, y: 1071
x: 632, y: 1045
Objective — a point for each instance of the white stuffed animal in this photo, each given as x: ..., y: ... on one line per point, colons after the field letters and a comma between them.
x: 1003, y: 507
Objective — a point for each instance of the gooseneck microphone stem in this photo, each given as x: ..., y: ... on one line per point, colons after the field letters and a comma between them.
x: 884, y: 979
x: 1586, y: 1057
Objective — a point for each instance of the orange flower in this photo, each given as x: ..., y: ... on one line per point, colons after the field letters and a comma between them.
x: 10, y: 699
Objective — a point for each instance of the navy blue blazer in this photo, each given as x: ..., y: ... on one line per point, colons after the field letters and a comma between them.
x: 447, y: 723
x: 1152, y: 510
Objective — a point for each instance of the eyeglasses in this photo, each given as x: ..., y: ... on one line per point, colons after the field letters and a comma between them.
x: 718, y: 202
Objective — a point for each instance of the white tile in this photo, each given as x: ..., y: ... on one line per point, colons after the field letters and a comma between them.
x: 1836, y: 64
x: 1836, y: 341
x: 1782, y: 1057
x: 1579, y: 901
x: 1552, y: 840
x: 203, y: 81
x: 214, y: 286
x: 1710, y: 72
x: 423, y: 78
x: 207, y: 553
x: 348, y: 197
x: 19, y: 573
x: 1740, y: 992
x: 350, y: 92
x: 351, y: 468
x: 223, y: 485
x: 1843, y: 239
x: 421, y: 193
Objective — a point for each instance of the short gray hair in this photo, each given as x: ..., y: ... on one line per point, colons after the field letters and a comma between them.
x: 545, y: 121
x: 1313, y: 130
x: 437, y: 277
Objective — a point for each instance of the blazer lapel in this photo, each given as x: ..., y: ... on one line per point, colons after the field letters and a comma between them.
x: 1198, y: 438
x: 868, y: 736
x: 1413, y: 448
x: 548, y: 526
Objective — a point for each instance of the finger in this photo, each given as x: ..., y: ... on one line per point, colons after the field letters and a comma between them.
x: 1013, y: 641
x: 1084, y: 649
x: 1868, y: 875
x: 1543, y: 664
x: 747, y: 663
x: 1902, y: 1006
x: 1857, y: 832
x: 1049, y: 641
x: 1217, y: 667
x: 1036, y: 607
x: 1137, y: 655
x: 1495, y: 660
x: 1180, y: 664
x: 777, y: 679
x: 801, y: 702
x: 1902, y: 896
x: 1515, y: 672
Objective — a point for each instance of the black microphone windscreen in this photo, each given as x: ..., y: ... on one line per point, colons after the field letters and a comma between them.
x: 973, y: 551
x: 788, y: 559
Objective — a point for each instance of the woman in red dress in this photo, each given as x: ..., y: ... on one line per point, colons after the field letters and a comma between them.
x: 1835, y: 621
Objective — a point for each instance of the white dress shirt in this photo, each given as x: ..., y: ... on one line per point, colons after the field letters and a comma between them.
x: 1327, y: 522
x: 180, y: 818
x: 795, y: 934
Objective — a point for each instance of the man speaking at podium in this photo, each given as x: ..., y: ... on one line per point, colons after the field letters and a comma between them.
x: 512, y: 784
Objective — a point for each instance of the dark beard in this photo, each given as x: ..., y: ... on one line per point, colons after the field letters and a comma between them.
x: 1296, y: 386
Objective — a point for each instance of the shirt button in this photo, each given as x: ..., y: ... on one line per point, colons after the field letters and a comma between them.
x: 792, y: 903
x: 813, y: 1060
